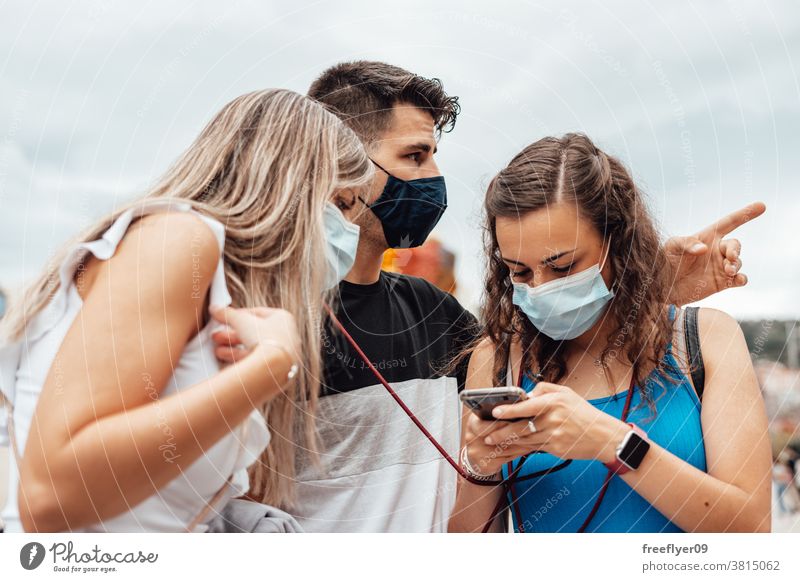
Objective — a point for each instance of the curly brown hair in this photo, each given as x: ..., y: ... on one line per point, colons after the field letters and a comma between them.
x: 572, y: 168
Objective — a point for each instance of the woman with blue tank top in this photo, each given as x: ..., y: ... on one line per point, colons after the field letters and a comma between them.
x: 613, y: 435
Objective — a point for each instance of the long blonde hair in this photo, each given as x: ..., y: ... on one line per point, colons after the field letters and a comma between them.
x: 264, y: 167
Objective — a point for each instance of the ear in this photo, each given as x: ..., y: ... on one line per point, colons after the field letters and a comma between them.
x: 344, y: 199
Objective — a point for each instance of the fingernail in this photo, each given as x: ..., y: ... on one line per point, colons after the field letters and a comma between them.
x: 498, y: 411
x: 696, y: 247
x: 489, y: 440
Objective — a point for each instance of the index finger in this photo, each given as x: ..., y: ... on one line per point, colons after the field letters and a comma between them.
x: 480, y: 428
x: 222, y: 314
x: 734, y: 220
x: 526, y: 408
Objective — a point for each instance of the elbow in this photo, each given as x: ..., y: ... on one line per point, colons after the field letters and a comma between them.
x: 452, y: 523
x: 757, y: 519
x: 761, y: 514
x: 39, y: 509
x: 764, y: 521
x: 454, y: 527
x: 758, y: 523
x: 456, y: 523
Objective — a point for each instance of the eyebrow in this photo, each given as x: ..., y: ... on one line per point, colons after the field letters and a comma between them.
x: 512, y: 261
x: 425, y: 147
x: 549, y: 259
x: 557, y: 256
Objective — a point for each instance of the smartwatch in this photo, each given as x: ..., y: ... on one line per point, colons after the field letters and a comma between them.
x: 630, y: 452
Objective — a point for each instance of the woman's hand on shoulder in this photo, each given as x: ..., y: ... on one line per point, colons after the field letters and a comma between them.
x: 265, y: 330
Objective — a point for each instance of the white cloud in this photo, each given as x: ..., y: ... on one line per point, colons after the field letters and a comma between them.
x: 99, y: 97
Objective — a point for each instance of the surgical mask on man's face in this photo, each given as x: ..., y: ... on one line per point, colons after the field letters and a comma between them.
x: 565, y: 308
x: 409, y: 209
x: 341, y: 244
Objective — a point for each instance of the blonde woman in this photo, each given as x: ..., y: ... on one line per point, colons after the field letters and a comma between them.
x: 119, y: 413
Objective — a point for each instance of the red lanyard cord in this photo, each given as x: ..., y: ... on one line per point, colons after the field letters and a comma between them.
x: 512, y: 473
x: 502, y: 505
x: 460, y: 470
x: 405, y: 408
x: 610, y: 473
x: 513, y: 478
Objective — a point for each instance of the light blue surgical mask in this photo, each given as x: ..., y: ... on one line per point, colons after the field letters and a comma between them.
x: 341, y: 244
x: 565, y: 308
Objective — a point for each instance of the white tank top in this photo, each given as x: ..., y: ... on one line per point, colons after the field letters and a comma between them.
x: 25, y: 364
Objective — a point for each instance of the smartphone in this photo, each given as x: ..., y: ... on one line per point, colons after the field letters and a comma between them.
x: 483, y: 400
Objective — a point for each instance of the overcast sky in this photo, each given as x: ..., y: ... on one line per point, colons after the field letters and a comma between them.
x: 701, y: 101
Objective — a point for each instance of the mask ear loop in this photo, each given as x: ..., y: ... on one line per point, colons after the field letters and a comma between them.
x: 608, y: 252
x: 381, y: 167
x: 366, y: 206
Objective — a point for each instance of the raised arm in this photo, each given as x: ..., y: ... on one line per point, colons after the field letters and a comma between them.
x: 93, y: 447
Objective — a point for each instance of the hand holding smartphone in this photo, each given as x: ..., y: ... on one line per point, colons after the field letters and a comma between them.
x: 483, y: 400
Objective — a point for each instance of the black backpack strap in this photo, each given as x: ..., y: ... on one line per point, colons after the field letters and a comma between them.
x: 503, y: 377
x: 693, y: 352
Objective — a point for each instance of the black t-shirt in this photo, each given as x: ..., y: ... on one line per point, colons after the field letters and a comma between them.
x: 407, y: 327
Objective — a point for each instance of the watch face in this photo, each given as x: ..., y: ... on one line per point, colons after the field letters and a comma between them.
x: 634, y: 451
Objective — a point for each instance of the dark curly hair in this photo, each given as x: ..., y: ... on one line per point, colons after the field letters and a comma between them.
x: 572, y: 168
x: 362, y: 93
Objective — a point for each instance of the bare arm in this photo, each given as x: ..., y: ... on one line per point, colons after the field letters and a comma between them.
x: 475, y: 503
x: 734, y: 495
x: 93, y: 448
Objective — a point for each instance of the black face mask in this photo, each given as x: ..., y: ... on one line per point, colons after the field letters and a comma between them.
x: 409, y: 210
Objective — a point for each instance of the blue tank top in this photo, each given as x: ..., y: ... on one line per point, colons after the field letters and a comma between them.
x: 561, y: 501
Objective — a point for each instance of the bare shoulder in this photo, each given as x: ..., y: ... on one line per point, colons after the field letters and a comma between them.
x: 721, y: 338
x: 484, y: 351
x: 172, y: 251
x: 481, y: 364
x: 174, y: 235
x: 713, y: 323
